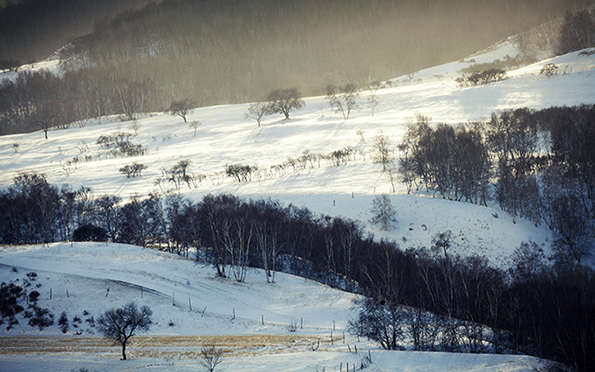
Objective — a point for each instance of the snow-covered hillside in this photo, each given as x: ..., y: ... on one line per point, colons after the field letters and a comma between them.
x: 192, y: 308
x: 226, y: 137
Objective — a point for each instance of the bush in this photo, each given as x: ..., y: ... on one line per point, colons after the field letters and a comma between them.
x: 33, y: 296
x: 482, y: 77
x: 9, y: 295
x: 89, y: 233
x: 133, y: 170
x: 241, y: 173
x: 118, y: 145
x: 549, y: 70
x: 63, y: 322
x: 41, y: 318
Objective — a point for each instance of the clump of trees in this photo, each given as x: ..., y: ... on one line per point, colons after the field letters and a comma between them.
x: 451, y: 161
x: 133, y: 170
x: 507, y: 159
x: 440, y: 300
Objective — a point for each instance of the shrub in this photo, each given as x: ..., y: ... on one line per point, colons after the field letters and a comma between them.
x: 9, y: 295
x: 63, y: 322
x: 118, y: 144
x: 133, y: 170
x: 41, y: 318
x: 482, y: 77
x: 241, y: 173
x: 89, y: 233
x: 33, y: 296
x: 549, y: 70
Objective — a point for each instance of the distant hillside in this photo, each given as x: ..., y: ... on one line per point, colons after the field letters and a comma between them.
x: 216, y: 52
x: 32, y: 30
x: 237, y: 51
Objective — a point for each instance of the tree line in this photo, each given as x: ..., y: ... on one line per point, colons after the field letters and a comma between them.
x: 444, y: 302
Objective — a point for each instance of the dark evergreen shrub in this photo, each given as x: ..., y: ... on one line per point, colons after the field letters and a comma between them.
x: 89, y: 233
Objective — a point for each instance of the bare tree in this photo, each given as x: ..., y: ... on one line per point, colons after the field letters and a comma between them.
x: 372, y: 96
x: 383, y: 213
x: 135, y: 126
x: 211, y: 357
x: 194, y: 124
x: 121, y: 324
x: 256, y: 111
x: 342, y: 99
x: 442, y: 241
x: 181, y: 108
x: 384, y: 152
x: 283, y: 101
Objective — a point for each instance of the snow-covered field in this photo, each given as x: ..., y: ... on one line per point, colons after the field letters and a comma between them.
x: 192, y: 308
x: 226, y: 137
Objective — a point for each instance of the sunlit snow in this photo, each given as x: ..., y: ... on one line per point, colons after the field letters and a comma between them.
x: 226, y: 137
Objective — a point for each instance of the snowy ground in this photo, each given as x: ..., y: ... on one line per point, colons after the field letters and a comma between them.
x: 192, y: 308
x: 225, y: 137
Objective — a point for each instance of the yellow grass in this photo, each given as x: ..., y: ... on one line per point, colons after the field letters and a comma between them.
x: 161, y: 347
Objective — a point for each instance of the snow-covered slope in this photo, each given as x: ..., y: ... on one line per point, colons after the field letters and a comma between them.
x: 225, y: 137
x: 192, y: 308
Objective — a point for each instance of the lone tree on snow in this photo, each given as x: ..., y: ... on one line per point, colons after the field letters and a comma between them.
x: 211, y: 357
x: 181, y: 108
x: 282, y: 101
x: 122, y: 323
x: 343, y: 99
x: 383, y: 213
x: 256, y: 111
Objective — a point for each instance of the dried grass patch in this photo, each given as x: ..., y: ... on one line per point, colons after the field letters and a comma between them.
x: 160, y: 347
